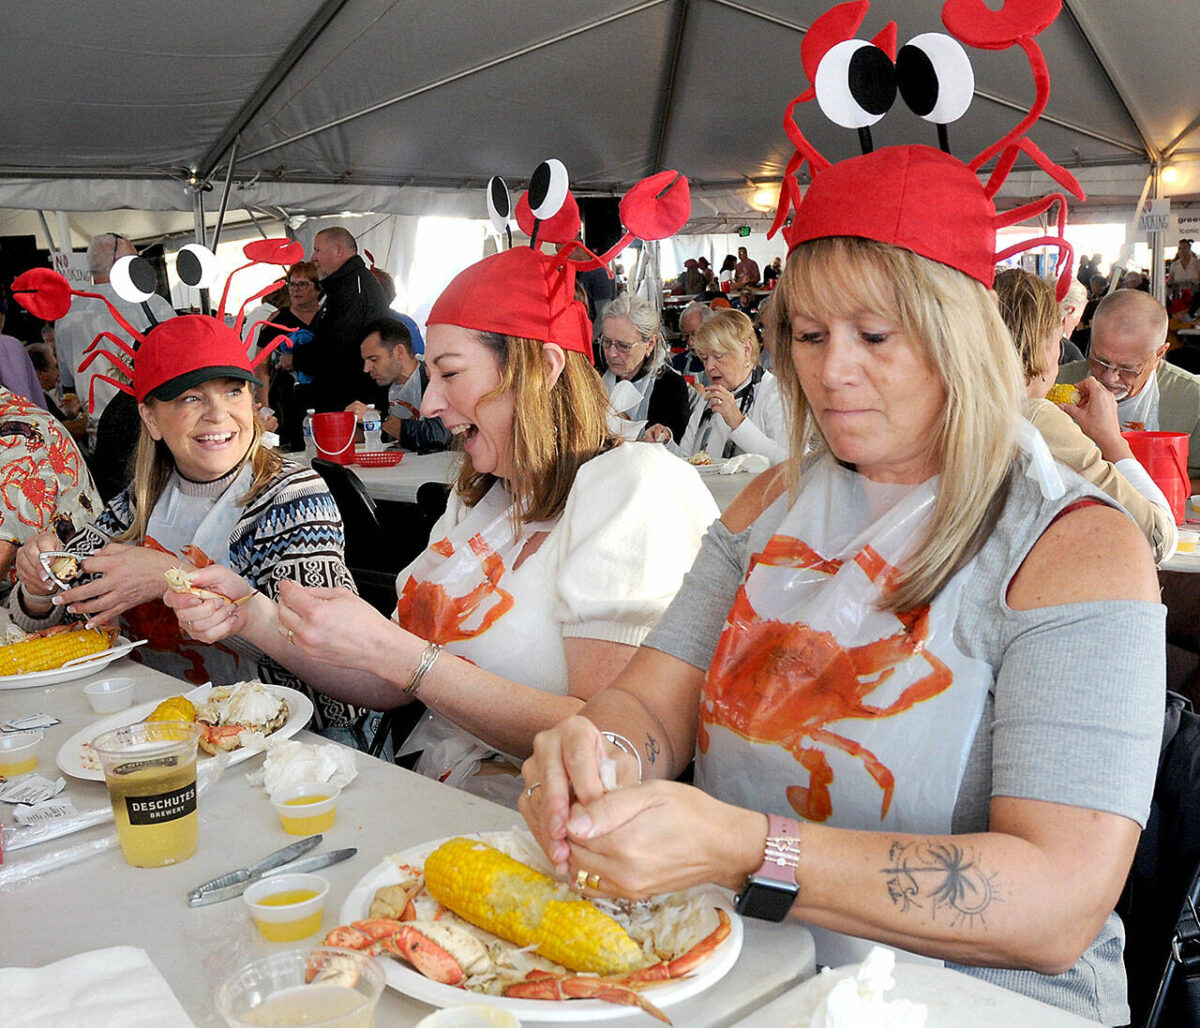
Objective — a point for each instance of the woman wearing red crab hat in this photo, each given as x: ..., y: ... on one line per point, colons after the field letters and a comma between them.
x: 204, y: 490
x: 560, y: 547
x: 866, y: 658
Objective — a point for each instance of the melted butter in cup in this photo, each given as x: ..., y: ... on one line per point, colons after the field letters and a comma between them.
x: 287, y: 907
x: 307, y: 809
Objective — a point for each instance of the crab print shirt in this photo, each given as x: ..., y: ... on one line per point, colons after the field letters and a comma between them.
x: 44, y: 483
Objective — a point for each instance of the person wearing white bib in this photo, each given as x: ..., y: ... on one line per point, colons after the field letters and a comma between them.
x: 559, y: 549
x: 920, y: 665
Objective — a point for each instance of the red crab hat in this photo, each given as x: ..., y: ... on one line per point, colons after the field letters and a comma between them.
x: 185, y: 351
x: 519, y: 292
x: 919, y: 198
x: 529, y: 294
x: 172, y: 355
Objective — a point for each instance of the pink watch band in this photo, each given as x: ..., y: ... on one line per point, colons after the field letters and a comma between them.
x: 783, y: 850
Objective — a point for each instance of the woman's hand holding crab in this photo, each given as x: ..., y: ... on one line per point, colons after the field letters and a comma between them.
x: 211, y: 619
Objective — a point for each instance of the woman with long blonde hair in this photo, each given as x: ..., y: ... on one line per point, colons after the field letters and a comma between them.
x: 204, y: 490
x: 866, y: 660
x: 559, y: 549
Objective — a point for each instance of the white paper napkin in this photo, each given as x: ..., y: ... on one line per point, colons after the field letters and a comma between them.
x: 104, y: 988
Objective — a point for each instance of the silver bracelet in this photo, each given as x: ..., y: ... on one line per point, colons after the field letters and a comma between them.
x: 428, y: 659
x: 625, y: 746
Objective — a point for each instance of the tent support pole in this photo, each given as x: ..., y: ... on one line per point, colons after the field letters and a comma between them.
x: 198, y: 215
x: 46, y: 228
x: 1158, y: 282
x: 233, y: 154
x: 64, y: 232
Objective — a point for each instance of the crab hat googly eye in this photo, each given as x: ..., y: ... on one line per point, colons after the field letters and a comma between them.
x: 548, y: 189
x: 499, y: 204
x: 196, y: 266
x: 855, y: 84
x: 133, y: 278
x: 935, y: 78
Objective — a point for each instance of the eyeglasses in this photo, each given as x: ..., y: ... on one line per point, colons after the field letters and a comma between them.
x: 1099, y: 367
x: 298, y: 282
x: 624, y: 349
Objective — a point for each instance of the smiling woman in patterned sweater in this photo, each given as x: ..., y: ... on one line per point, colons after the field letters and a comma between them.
x: 205, y: 490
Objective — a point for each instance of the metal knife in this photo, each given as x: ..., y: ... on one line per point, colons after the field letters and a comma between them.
x: 255, y: 870
x: 312, y: 862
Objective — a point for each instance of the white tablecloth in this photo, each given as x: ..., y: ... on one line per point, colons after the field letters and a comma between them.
x: 104, y: 902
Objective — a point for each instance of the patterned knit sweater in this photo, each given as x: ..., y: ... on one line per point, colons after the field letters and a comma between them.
x: 293, y: 530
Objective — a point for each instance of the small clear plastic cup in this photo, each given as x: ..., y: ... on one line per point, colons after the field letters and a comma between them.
x: 470, y: 1015
x: 307, y: 809
x: 109, y: 695
x: 287, y: 907
x: 320, y: 988
x: 18, y: 753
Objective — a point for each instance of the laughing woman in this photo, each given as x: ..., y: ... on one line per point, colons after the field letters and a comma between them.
x: 204, y: 490
x: 559, y: 549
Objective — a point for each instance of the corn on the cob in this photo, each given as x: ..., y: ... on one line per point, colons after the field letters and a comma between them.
x: 53, y: 651
x: 512, y: 900
x: 1063, y: 393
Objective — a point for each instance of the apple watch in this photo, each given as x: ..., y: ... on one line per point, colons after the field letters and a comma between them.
x: 771, y: 890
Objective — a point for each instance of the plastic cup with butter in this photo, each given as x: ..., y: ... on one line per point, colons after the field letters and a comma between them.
x: 18, y: 753
x: 287, y: 907
x: 1187, y: 541
x: 308, y: 808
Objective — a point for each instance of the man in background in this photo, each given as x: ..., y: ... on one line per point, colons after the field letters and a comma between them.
x: 745, y: 272
x: 388, y: 357
x: 1129, y: 341
x: 88, y: 317
x: 46, y: 366
x: 353, y: 299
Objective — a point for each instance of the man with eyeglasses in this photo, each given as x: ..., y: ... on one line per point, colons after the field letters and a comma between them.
x: 1129, y: 341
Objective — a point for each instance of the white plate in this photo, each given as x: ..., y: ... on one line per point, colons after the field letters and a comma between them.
x: 96, y: 662
x: 69, y: 758
x: 404, y: 979
x: 711, y: 469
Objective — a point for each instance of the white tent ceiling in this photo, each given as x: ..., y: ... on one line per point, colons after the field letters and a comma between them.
x: 398, y: 105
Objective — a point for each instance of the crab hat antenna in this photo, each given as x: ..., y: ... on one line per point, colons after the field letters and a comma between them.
x: 499, y: 206
x: 548, y: 190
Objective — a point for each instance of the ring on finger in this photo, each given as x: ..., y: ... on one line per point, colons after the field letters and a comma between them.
x: 581, y: 879
x: 529, y: 791
x: 291, y: 637
x: 593, y: 881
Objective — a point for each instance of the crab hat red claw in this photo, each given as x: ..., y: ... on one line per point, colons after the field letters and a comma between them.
x: 519, y: 292
x: 42, y: 292
x: 658, y: 206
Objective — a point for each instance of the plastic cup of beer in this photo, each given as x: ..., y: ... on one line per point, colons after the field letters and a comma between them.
x: 326, y: 987
x: 150, y: 770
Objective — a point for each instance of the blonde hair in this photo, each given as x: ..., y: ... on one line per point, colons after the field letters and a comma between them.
x: 726, y: 332
x: 956, y: 330
x: 154, y: 463
x: 556, y: 429
x: 1029, y: 310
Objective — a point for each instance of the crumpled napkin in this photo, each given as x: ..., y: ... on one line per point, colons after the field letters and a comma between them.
x: 104, y: 988
x: 299, y: 763
x: 749, y: 462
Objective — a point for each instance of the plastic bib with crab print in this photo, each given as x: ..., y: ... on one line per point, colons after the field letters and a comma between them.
x: 463, y: 592
x: 820, y: 704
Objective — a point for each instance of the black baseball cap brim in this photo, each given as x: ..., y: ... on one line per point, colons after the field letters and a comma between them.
x: 181, y: 383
